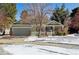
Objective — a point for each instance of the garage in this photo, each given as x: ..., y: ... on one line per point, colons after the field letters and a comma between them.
x: 21, y: 30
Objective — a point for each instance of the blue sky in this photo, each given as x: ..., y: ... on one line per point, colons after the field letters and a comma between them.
x: 68, y: 6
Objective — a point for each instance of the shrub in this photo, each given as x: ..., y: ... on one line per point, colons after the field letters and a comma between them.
x: 60, y: 33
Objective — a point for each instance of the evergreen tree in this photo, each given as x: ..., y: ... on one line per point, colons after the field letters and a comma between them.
x: 7, y: 14
x: 24, y: 16
x: 74, y: 25
x: 60, y: 14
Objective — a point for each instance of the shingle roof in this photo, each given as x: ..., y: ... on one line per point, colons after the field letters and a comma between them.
x: 21, y: 25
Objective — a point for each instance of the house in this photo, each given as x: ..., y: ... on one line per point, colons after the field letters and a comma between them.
x: 26, y: 29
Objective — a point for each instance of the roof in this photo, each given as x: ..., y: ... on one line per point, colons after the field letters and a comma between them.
x: 21, y: 25
x: 53, y: 22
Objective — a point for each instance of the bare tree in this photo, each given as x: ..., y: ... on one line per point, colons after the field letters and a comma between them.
x: 38, y: 13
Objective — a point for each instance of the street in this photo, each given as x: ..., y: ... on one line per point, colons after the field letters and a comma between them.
x: 31, y: 49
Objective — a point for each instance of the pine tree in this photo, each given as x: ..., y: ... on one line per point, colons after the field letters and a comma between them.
x: 60, y: 14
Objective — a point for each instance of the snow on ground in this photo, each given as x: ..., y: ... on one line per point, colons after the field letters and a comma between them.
x: 39, y: 50
x: 42, y: 50
x: 25, y: 49
x: 69, y: 39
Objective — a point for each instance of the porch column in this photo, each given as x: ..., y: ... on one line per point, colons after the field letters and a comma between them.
x: 53, y: 30
x: 45, y: 30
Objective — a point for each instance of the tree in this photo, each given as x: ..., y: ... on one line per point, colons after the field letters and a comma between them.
x: 74, y: 20
x: 7, y: 15
x: 7, y: 12
x: 10, y: 10
x: 38, y: 14
x: 60, y: 14
x: 74, y: 11
x: 25, y: 17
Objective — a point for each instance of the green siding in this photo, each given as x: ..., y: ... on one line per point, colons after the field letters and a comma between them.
x: 21, y: 31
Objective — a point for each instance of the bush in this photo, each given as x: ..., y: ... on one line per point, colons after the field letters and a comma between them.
x: 60, y: 33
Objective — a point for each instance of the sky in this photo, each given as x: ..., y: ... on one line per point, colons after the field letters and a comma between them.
x: 69, y: 6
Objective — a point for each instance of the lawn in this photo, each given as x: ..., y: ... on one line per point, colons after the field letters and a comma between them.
x: 12, y: 41
x: 21, y: 40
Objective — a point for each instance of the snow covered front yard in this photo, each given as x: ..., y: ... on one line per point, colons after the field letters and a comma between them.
x: 69, y: 39
x: 51, y: 45
x: 30, y: 49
